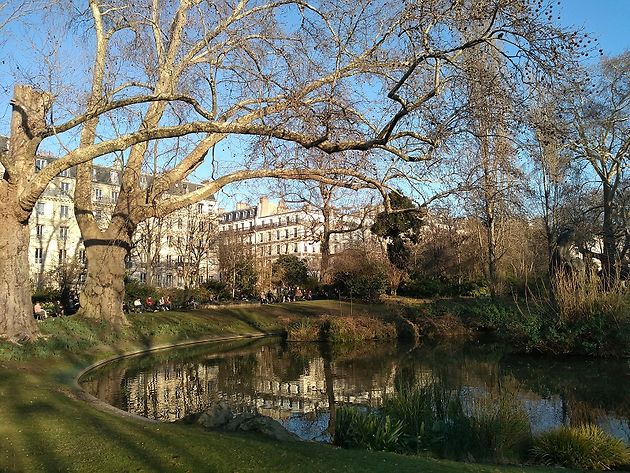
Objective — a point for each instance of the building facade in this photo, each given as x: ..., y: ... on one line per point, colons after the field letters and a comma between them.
x: 56, y: 248
x: 271, y: 229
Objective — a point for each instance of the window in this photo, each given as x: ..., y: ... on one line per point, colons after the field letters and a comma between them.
x: 39, y: 231
x: 41, y: 208
x: 98, y: 194
x: 115, y: 195
x: 169, y: 240
x: 169, y: 259
x: 40, y: 164
x: 202, y: 226
x: 278, y: 249
x: 63, y: 233
x: 62, y: 256
x: 295, y: 248
x: 94, y: 174
x: 64, y: 212
x: 65, y: 188
x: 180, y: 259
x: 82, y: 256
x: 143, y: 277
x: 286, y: 249
x: 261, y: 237
x: 39, y: 255
x: 64, y: 173
x: 179, y: 224
x: 251, y: 224
x: 113, y: 177
x: 269, y: 250
x: 169, y: 280
x: 295, y: 232
x: 199, y: 208
x: 277, y: 234
x: 268, y: 236
x: 98, y: 214
x: 286, y: 233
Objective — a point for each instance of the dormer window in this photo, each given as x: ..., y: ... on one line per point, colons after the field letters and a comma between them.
x: 40, y: 164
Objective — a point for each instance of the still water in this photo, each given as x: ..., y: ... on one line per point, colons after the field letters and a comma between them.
x: 300, y: 383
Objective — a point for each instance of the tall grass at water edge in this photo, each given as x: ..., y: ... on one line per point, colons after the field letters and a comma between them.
x: 576, y: 315
x: 438, y: 420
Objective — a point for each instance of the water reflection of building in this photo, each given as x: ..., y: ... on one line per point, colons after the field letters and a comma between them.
x: 170, y: 392
x: 286, y: 385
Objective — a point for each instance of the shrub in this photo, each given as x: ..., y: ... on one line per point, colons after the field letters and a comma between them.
x: 304, y: 330
x: 585, y: 448
x: 355, y: 329
x: 135, y: 289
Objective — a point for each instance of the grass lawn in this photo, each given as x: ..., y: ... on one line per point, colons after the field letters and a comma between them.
x: 46, y: 425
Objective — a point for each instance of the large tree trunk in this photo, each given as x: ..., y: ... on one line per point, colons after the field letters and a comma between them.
x: 104, y: 292
x: 16, y: 311
x: 27, y: 120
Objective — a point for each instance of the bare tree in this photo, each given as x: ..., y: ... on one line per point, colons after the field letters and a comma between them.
x: 214, y: 70
x: 236, y: 263
x: 195, y: 246
x: 597, y: 114
x: 147, y: 245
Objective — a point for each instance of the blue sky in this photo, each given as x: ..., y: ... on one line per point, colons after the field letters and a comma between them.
x: 606, y: 19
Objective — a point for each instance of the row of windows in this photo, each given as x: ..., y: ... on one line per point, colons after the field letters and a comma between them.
x: 285, y: 249
x: 64, y: 210
x: 63, y: 254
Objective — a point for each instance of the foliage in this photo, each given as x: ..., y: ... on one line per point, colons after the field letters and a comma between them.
x: 135, y: 289
x: 290, y: 271
x: 422, y: 286
x: 585, y: 448
x: 218, y: 289
x: 46, y: 294
x: 360, y: 428
x: 401, y: 228
x: 186, y: 298
x: 355, y: 275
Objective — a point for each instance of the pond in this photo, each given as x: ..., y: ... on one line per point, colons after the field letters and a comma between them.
x: 298, y: 383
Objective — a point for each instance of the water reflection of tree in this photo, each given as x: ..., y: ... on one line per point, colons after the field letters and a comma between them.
x: 277, y: 375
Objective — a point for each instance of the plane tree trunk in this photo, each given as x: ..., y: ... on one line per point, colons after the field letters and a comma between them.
x: 29, y: 109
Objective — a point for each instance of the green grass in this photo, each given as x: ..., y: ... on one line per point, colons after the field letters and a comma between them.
x: 47, y: 425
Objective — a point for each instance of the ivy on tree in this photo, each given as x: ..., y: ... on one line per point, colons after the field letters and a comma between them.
x: 401, y: 226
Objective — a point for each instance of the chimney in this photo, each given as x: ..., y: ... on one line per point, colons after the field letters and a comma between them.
x: 264, y: 207
x: 242, y: 206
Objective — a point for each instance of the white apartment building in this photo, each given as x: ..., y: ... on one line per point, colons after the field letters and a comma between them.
x: 56, y: 240
x: 271, y: 229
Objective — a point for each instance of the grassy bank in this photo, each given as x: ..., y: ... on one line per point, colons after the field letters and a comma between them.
x: 45, y: 425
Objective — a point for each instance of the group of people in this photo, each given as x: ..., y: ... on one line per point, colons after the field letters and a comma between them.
x: 164, y: 303
x: 55, y: 309
x: 291, y: 294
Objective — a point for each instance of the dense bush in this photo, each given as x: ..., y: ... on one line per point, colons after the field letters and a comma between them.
x: 423, y: 287
x: 135, y: 289
x: 584, y: 448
